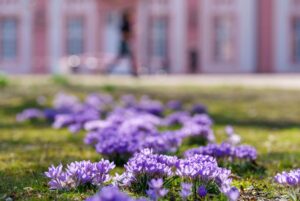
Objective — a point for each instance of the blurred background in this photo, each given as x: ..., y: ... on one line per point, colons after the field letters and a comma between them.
x: 149, y: 36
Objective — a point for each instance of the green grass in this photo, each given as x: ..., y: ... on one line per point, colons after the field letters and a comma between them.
x: 268, y: 120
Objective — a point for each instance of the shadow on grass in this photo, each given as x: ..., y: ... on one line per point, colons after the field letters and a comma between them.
x: 279, y: 161
x: 14, y: 108
x: 257, y: 122
x: 246, y: 169
x: 14, y: 182
x: 39, y: 124
x: 27, y: 142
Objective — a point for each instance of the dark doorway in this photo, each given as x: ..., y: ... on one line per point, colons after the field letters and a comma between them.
x: 193, y: 61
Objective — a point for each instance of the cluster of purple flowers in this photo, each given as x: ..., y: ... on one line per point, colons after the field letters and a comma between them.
x: 137, y: 128
x: 146, y: 163
x: 197, y: 169
x: 132, y: 126
x: 198, y: 125
x: 78, y: 174
x: 111, y: 193
x: 73, y: 114
x: 291, y: 178
x: 126, y: 131
x: 204, y: 169
x: 76, y: 120
x: 68, y: 111
x: 225, y: 150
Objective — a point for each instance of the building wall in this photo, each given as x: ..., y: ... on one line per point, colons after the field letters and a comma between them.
x: 39, y: 33
x: 256, y: 35
x: 241, y: 17
x: 60, y: 12
x: 156, y: 12
x: 178, y: 36
x: 265, y: 36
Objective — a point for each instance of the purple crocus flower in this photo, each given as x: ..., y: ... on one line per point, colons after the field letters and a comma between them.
x: 199, y: 109
x: 245, y: 152
x: 291, y: 178
x: 174, y: 105
x: 150, y: 106
x: 76, y: 120
x: 198, y: 125
x: 186, y: 190
x: 156, y: 183
x: 64, y: 101
x: 57, y: 176
x: 156, y: 189
x: 30, y: 114
x: 202, y: 192
x: 229, y: 130
x: 111, y: 193
x: 41, y: 100
x: 176, y: 118
x: 98, y: 101
x: 233, y: 194
x: 128, y: 100
x: 233, y: 138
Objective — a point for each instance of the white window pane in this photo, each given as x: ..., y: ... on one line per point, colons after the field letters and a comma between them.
x: 75, y: 36
x: 223, y: 39
x: 9, y: 38
x: 159, y: 34
x: 297, y: 40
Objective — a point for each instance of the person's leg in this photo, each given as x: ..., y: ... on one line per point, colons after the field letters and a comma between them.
x: 133, y: 60
x: 111, y: 66
x: 122, y: 53
x: 134, y: 66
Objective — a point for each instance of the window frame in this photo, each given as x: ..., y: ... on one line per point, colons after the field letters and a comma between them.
x: 152, y: 20
x: 234, y: 40
x: 66, y: 34
x: 17, y: 42
x: 154, y: 51
x: 293, y: 56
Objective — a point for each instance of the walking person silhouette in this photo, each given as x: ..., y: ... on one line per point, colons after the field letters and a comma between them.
x: 125, y: 45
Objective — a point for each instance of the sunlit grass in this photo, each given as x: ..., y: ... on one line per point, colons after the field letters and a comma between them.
x: 268, y: 120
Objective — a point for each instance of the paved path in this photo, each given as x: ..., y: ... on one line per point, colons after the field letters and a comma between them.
x: 283, y: 81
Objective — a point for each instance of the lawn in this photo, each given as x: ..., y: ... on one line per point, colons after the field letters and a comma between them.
x: 266, y: 119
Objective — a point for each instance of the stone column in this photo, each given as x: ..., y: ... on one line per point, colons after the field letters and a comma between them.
x: 265, y: 33
x: 40, y: 62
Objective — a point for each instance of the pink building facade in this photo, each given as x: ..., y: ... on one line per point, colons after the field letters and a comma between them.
x: 171, y: 36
